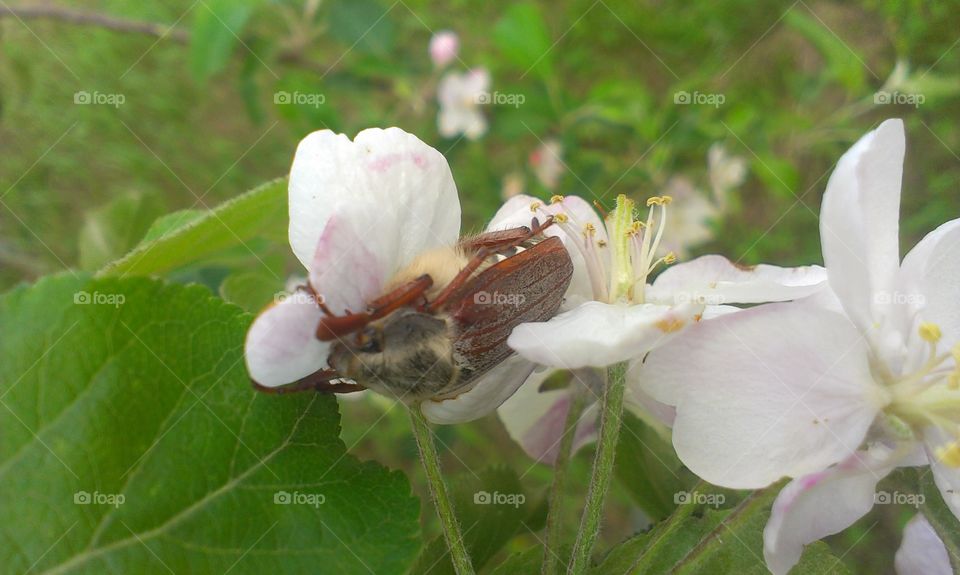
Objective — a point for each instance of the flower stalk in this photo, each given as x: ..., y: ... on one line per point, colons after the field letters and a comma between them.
x: 552, y: 543
x: 438, y: 493
x: 611, y: 415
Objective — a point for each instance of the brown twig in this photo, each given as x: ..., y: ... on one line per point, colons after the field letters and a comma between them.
x: 93, y: 19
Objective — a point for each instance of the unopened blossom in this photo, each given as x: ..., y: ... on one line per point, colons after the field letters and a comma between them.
x: 835, y: 391
x: 611, y: 313
x: 460, y: 96
x: 444, y: 47
x: 360, y: 211
x: 547, y: 163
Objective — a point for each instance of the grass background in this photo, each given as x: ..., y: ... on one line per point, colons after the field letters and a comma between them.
x: 79, y: 184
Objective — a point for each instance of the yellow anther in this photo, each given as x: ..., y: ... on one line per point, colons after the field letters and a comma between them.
x: 534, y: 206
x: 602, y: 243
x: 634, y: 228
x: 654, y: 201
x: 670, y: 258
x: 930, y: 332
x: 665, y: 200
x: 556, y: 199
x: 561, y: 218
x: 949, y: 454
x: 589, y: 230
x: 953, y: 381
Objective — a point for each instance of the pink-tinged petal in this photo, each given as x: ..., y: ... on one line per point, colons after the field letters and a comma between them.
x: 517, y: 212
x: 536, y: 419
x: 398, y: 191
x: 947, y: 478
x: 814, y: 506
x: 931, y: 272
x: 597, y: 334
x: 344, y: 269
x: 716, y: 280
x: 281, y: 345
x: 921, y: 552
x: 859, y: 224
x: 772, y: 391
x: 486, y: 395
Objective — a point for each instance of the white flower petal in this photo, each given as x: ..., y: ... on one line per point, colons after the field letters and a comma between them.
x: 947, y: 478
x: 344, y: 269
x: 487, y: 394
x: 281, y: 345
x: 536, y: 419
x: 820, y: 504
x: 772, y: 391
x: 597, y: 334
x: 859, y: 224
x: 921, y: 552
x: 398, y: 188
x: 933, y: 266
x: 714, y: 279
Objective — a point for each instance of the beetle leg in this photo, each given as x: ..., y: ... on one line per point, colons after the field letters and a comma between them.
x: 333, y: 326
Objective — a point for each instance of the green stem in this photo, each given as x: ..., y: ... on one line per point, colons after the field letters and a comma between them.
x: 438, y: 492
x: 551, y: 546
x: 611, y: 414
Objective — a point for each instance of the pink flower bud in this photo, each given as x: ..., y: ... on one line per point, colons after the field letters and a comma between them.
x: 444, y: 47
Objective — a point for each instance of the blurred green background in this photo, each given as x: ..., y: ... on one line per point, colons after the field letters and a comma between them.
x: 199, y: 123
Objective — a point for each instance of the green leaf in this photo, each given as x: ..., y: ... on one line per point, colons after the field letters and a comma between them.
x: 251, y: 290
x: 648, y: 467
x: 364, y: 25
x: 217, y: 27
x: 527, y: 562
x: 523, y: 38
x: 133, y: 442
x: 843, y: 64
x: 184, y: 237
x: 778, y: 175
x: 705, y: 539
x: 111, y: 230
x: 943, y: 521
x: 168, y: 223
x: 492, y: 508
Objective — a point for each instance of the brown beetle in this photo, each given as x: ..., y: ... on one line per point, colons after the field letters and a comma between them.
x: 444, y: 319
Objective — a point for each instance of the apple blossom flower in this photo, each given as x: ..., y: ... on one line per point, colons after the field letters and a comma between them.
x: 690, y: 220
x: 460, y: 96
x: 359, y: 211
x: 921, y: 552
x: 547, y: 163
x: 725, y: 171
x: 611, y: 314
x: 444, y: 46
x: 798, y: 389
